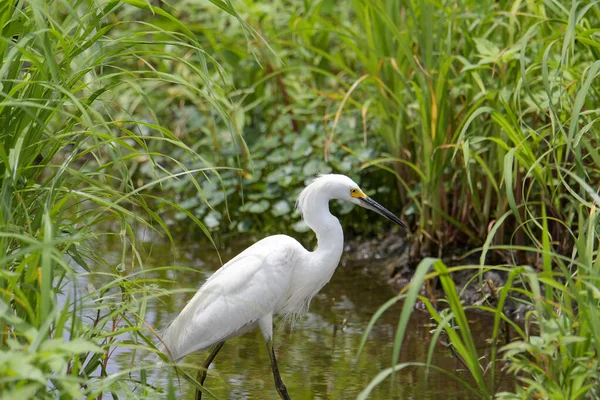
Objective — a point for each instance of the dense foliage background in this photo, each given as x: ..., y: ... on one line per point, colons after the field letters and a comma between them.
x: 478, y: 122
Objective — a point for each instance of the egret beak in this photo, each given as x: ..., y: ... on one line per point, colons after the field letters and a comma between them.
x: 372, y: 205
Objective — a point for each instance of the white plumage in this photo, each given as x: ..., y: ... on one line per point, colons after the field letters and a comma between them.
x: 231, y: 302
x: 276, y: 275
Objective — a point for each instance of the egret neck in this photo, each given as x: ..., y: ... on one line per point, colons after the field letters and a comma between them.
x: 330, y: 238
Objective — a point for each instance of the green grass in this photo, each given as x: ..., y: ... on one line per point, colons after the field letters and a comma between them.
x: 519, y: 111
x: 78, y: 117
x: 479, y: 106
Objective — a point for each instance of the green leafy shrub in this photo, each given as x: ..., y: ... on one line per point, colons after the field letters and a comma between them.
x: 262, y: 198
x: 281, y: 101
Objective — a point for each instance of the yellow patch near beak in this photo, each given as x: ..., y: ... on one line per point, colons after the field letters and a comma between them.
x: 357, y: 194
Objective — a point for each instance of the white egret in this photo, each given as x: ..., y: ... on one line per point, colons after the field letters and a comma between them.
x: 275, y: 276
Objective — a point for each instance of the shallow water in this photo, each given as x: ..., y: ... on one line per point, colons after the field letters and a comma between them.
x: 318, y: 358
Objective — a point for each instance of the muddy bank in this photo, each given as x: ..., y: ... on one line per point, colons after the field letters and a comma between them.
x: 392, y: 260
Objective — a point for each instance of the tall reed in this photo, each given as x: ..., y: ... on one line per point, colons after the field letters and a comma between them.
x: 452, y: 89
x: 78, y: 118
x: 526, y: 131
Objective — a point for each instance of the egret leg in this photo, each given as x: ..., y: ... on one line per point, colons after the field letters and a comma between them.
x: 279, y: 385
x: 204, y: 371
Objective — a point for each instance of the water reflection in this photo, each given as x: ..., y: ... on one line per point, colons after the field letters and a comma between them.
x: 317, y: 358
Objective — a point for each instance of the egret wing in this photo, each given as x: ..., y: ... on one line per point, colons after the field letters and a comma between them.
x: 231, y: 301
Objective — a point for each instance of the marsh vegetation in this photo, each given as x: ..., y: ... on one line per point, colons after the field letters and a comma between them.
x: 137, y: 122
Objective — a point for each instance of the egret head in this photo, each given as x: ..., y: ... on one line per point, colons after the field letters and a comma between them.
x: 340, y: 187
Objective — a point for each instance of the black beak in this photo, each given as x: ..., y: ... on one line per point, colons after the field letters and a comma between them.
x: 379, y: 209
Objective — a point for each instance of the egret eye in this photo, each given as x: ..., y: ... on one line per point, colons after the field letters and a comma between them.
x: 356, y: 193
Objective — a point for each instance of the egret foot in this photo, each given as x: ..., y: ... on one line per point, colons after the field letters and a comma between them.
x: 281, y: 389
x: 204, y: 371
